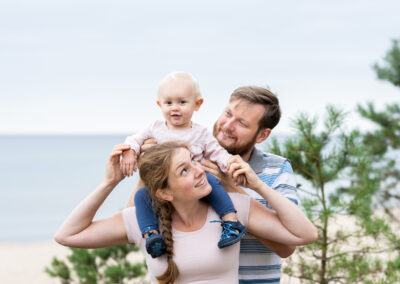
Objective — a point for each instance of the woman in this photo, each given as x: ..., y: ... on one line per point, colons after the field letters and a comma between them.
x: 177, y: 184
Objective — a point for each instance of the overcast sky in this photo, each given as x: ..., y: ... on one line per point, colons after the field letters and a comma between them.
x: 93, y: 66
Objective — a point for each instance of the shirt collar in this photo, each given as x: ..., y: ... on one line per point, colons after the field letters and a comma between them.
x: 256, y: 161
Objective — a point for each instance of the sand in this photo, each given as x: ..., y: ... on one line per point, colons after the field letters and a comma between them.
x: 25, y: 263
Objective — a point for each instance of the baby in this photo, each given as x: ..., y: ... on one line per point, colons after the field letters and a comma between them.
x: 178, y: 97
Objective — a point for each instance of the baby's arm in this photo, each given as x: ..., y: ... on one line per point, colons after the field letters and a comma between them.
x: 128, y: 162
x: 129, y: 157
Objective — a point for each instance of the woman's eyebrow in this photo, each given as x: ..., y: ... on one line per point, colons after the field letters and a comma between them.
x: 180, y: 165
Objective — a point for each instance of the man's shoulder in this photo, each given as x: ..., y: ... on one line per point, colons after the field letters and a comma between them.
x: 261, y: 160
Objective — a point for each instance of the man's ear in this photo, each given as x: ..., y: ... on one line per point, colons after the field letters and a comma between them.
x: 164, y: 194
x: 263, y: 134
x: 158, y: 102
x: 198, y: 104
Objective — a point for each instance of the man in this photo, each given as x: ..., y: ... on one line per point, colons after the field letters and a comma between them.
x: 248, y: 120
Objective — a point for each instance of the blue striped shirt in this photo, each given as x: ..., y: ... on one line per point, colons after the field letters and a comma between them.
x: 257, y: 263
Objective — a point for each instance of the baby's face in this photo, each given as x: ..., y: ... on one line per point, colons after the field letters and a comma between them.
x: 177, y: 102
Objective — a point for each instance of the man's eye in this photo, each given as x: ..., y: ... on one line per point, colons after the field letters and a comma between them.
x: 242, y: 123
x: 193, y: 161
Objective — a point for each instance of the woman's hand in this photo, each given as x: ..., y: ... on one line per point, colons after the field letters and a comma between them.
x: 242, y: 173
x: 226, y: 181
x: 113, y: 169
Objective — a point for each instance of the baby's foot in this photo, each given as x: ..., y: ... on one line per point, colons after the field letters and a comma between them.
x: 232, y: 232
x: 155, y: 244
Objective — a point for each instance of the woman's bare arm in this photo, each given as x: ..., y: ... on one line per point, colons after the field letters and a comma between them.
x: 287, y: 225
x: 79, y: 230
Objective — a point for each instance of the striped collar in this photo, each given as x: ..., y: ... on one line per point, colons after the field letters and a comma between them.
x: 256, y: 161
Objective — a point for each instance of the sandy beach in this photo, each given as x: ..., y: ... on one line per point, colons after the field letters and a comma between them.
x: 25, y: 263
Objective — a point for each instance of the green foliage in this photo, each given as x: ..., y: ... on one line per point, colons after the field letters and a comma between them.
x: 391, y: 69
x: 105, y: 265
x: 342, y: 180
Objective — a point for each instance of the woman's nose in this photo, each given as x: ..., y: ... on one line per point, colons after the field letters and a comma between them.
x: 199, y: 169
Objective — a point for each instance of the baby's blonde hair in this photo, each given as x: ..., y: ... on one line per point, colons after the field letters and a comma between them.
x: 182, y: 76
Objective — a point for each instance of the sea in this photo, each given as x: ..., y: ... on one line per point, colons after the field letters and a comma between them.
x: 42, y: 178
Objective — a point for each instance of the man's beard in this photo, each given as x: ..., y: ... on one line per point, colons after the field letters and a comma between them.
x: 235, y: 149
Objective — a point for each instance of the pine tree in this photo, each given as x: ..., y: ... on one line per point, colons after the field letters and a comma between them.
x: 339, y: 178
x: 91, y: 266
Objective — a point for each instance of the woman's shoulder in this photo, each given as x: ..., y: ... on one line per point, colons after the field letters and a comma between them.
x: 131, y: 225
x: 242, y: 205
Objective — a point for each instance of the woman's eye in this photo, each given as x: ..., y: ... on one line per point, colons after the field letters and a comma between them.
x: 227, y: 113
x: 183, y: 172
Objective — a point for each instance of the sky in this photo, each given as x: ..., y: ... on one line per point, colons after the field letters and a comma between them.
x: 92, y: 67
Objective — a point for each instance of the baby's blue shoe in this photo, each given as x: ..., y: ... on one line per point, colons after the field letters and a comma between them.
x: 232, y: 232
x: 155, y: 244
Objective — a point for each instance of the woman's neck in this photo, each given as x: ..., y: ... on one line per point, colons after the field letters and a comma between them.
x: 189, y: 217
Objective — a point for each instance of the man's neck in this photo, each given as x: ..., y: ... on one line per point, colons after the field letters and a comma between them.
x: 246, y: 157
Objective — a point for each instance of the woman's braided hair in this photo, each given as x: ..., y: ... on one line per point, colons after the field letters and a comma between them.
x: 154, y: 167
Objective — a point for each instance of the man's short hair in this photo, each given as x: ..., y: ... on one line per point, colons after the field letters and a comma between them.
x: 262, y: 96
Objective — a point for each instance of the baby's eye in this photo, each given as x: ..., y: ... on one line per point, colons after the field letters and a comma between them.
x: 168, y: 102
x: 182, y: 102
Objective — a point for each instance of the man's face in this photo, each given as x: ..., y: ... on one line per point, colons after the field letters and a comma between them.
x: 237, y: 127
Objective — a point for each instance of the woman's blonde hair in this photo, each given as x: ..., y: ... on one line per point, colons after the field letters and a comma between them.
x: 154, y: 167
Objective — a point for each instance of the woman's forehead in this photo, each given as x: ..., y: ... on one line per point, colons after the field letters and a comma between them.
x: 180, y: 157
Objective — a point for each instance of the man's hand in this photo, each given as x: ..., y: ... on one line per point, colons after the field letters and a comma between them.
x: 147, y: 144
x: 128, y: 163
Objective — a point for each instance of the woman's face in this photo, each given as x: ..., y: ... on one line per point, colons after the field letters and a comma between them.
x: 187, y: 180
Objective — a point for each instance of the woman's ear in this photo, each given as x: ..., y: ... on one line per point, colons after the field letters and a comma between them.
x: 164, y: 194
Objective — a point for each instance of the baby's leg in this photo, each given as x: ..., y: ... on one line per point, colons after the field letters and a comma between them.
x: 220, y: 200
x: 148, y: 223
x: 145, y: 215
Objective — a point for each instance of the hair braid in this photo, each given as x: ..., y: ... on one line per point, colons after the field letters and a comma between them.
x: 164, y: 211
x: 154, y: 168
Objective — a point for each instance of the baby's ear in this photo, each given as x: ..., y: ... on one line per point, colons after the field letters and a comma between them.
x: 198, y: 104
x: 158, y: 103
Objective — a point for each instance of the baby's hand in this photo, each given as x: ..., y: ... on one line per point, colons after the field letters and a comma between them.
x: 128, y: 162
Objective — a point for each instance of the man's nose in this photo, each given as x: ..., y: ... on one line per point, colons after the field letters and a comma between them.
x: 229, y: 125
